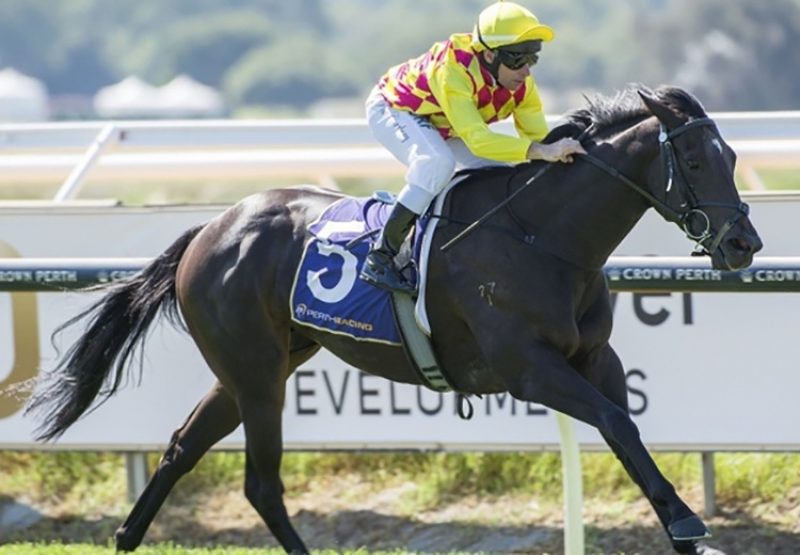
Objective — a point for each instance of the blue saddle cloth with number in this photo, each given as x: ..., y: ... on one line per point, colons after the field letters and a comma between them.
x: 327, y: 293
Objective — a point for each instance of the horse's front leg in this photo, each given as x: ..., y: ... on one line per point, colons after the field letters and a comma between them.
x: 538, y: 372
x: 603, y: 369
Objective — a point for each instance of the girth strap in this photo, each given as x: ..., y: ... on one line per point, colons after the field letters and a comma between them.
x: 420, y: 353
x: 417, y: 345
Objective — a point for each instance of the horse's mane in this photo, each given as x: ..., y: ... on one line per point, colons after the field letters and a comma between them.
x: 606, y: 112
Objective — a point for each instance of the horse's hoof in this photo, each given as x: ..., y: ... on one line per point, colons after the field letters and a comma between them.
x: 125, y: 542
x: 696, y: 548
x: 689, y: 528
x: 703, y: 549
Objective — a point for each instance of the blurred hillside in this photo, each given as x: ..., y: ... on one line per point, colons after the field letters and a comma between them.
x: 272, y: 56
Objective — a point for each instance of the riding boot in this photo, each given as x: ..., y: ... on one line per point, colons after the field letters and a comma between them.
x: 379, y: 267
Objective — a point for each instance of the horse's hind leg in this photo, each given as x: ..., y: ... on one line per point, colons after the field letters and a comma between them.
x: 212, y: 419
x: 261, y: 409
x: 216, y: 416
x: 254, y: 367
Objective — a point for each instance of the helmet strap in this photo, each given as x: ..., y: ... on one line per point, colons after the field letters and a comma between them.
x: 480, y: 37
x: 493, y: 67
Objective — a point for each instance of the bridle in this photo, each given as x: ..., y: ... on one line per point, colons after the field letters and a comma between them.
x: 706, y: 241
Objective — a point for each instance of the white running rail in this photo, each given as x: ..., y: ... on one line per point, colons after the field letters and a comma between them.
x: 321, y: 150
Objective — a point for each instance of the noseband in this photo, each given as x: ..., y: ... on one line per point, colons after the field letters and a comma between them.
x: 706, y: 241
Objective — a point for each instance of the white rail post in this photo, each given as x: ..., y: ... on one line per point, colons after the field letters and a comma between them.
x: 72, y: 186
x: 709, y: 483
x: 136, y: 466
x: 572, y: 479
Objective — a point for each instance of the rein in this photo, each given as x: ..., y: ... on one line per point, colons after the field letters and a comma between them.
x: 689, y: 209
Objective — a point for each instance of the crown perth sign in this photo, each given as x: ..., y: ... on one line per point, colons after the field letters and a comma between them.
x: 681, y: 274
x: 624, y: 273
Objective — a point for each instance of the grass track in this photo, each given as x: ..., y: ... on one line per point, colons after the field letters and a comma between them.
x: 160, y: 549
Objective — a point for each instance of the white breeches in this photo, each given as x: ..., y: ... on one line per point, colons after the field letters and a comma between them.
x: 431, y: 160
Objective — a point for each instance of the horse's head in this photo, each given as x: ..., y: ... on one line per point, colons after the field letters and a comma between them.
x: 694, y: 173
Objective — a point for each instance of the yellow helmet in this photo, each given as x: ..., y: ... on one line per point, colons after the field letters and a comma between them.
x: 506, y: 24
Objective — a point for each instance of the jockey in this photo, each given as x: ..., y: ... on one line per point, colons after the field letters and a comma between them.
x: 432, y: 113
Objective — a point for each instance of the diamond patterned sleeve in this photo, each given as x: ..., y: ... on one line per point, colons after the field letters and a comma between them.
x: 529, y: 116
x: 455, y: 93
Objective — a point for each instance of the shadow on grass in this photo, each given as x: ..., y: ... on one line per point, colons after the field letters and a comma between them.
x: 341, y: 530
x: 735, y: 534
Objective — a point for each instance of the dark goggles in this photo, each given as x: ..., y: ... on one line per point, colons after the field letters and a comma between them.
x: 517, y: 60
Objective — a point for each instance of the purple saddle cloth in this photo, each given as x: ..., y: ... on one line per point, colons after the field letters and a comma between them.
x: 327, y: 293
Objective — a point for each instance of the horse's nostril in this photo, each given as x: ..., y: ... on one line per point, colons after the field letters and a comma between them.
x: 741, y: 244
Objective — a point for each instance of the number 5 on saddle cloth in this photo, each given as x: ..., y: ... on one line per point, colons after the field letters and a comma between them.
x: 328, y: 295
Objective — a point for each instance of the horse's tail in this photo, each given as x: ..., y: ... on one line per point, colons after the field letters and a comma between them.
x: 116, y: 328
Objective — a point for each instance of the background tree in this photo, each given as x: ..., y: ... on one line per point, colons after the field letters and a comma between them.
x: 733, y: 55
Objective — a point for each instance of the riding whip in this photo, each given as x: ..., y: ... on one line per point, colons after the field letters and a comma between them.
x: 480, y: 221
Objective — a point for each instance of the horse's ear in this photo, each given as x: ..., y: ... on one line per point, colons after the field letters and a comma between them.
x: 660, y: 110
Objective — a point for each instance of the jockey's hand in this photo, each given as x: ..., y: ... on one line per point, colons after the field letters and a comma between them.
x: 559, y: 151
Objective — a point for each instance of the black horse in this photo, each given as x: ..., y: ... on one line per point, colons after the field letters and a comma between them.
x: 543, y: 337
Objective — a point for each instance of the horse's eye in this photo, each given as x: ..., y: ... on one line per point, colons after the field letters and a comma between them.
x: 693, y: 164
